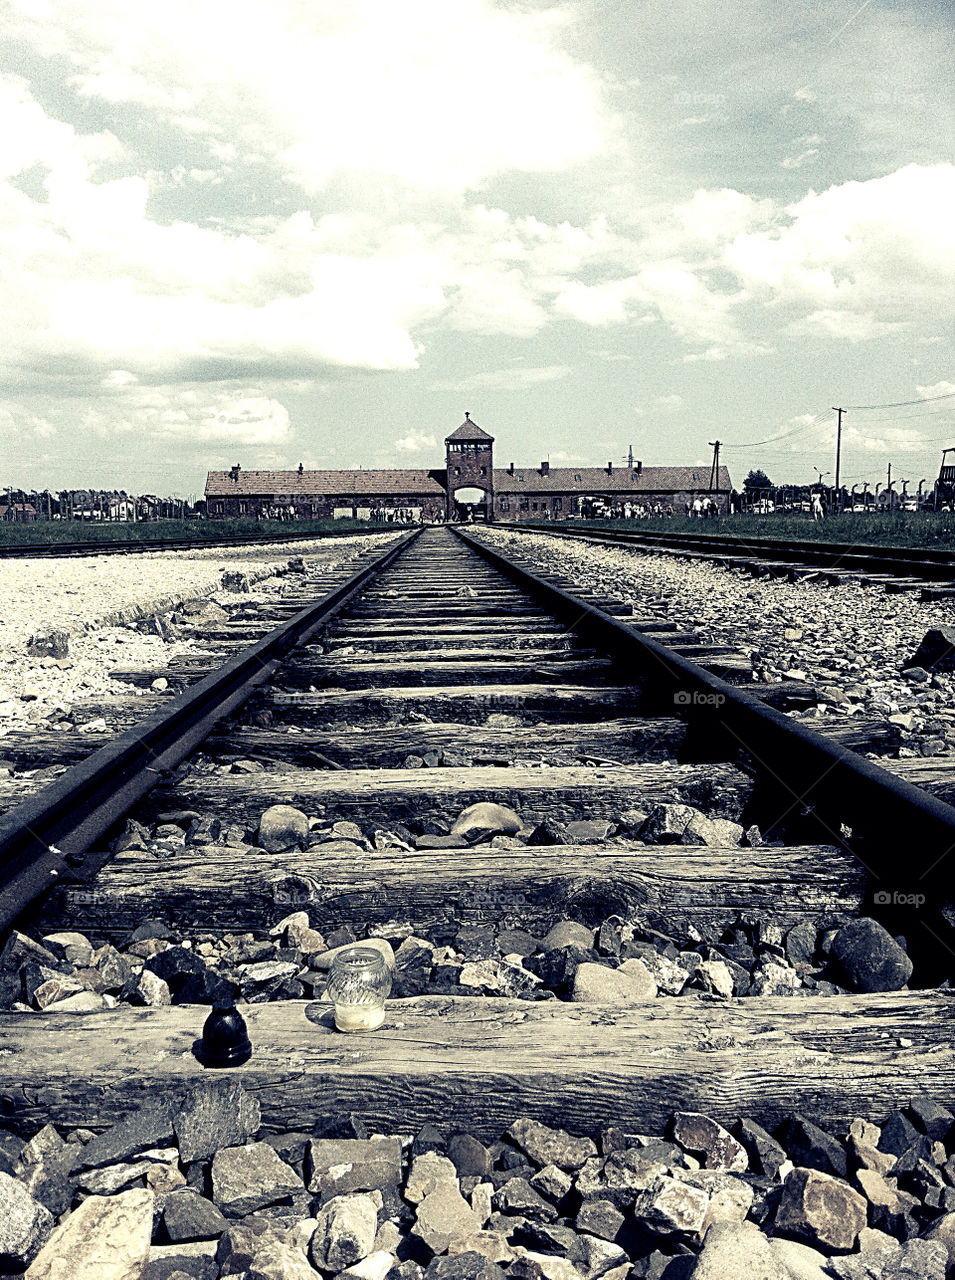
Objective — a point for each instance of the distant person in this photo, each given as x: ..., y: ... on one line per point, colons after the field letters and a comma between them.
x: 817, y: 511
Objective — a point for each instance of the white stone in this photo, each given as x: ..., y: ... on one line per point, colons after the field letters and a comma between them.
x: 105, y: 1238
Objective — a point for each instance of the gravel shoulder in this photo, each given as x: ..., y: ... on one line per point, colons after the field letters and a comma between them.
x: 97, y: 601
x: 849, y: 641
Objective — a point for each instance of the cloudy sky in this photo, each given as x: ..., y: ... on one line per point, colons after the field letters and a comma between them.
x: 274, y: 231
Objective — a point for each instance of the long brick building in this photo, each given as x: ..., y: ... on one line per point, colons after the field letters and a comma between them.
x: 468, y: 486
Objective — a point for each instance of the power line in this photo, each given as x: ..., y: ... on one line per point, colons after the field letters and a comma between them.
x: 901, y: 404
x: 803, y: 426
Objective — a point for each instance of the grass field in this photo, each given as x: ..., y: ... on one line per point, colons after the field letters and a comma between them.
x: 47, y: 531
x: 896, y: 529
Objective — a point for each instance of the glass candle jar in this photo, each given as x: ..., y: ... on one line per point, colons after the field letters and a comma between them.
x: 358, y: 983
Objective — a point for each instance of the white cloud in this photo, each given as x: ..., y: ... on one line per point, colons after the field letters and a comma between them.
x: 504, y: 379
x: 943, y: 388
x: 601, y: 304
x: 416, y: 442
x: 360, y: 85
x: 667, y: 402
x: 797, y: 161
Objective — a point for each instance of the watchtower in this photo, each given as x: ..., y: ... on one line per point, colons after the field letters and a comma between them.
x: 470, y: 461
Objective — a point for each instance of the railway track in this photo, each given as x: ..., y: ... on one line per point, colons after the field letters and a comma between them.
x: 440, y: 676
x: 896, y: 569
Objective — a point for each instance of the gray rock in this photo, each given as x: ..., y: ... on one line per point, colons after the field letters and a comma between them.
x: 147, y: 988
x: 714, y: 976
x: 803, y: 1262
x: 709, y: 1141
x: 766, y: 1156
x: 74, y: 948
x: 811, y: 1147
x: 550, y: 1182
x: 630, y: 984
x: 715, y: 833
x: 212, y: 1116
x: 666, y: 823
x: 189, y: 1216
x: 669, y: 976
x: 822, y: 1211
x: 669, y: 1207
x: 345, y: 1232
x: 249, y: 1177
x: 913, y: 1260
x: 470, y: 1158
x: 772, y: 979
x: 587, y: 831
x: 517, y: 1196
x: 622, y: 1178
x: 334, y: 1166
x: 868, y: 958
x: 738, y: 1250
x: 282, y: 827
x: 105, y: 1237
x: 601, y: 1258
x: 470, y: 1265
x: 150, y: 1126
x: 599, y: 1218
x: 486, y: 819
x: 25, y: 1224
x: 427, y: 1171
x: 936, y: 651
x: 568, y: 933
x: 239, y: 1245
x: 188, y: 1261
x: 800, y: 943
x: 444, y: 1216
x: 112, y: 1177
x: 545, y: 1146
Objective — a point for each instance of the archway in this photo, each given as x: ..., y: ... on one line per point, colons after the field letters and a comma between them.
x: 469, y: 503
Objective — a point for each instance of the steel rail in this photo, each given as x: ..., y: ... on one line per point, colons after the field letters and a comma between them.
x: 41, y: 550
x: 43, y: 840
x: 903, y: 835
x: 930, y: 563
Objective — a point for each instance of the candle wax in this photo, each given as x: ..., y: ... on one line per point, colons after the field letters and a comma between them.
x: 358, y: 1017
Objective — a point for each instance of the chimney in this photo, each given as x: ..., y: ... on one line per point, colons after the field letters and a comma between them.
x: 301, y: 468
x: 545, y: 468
x: 639, y: 467
x: 510, y: 468
x: 235, y: 473
x: 609, y: 468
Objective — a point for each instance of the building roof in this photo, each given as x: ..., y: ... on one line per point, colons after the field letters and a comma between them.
x: 468, y: 430
x: 596, y: 480
x: 304, y: 484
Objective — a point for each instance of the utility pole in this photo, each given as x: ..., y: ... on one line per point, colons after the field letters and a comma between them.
x: 715, y: 469
x: 840, y: 412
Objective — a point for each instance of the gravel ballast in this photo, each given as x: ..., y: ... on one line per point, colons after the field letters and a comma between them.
x: 96, y: 601
x: 696, y: 1202
x: 850, y: 641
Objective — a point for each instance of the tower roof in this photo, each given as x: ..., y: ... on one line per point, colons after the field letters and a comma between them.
x: 468, y: 430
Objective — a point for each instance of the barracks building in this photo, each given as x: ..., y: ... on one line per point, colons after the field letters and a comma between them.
x: 469, y: 486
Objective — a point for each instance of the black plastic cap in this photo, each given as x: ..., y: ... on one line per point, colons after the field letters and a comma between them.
x: 225, y: 1039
